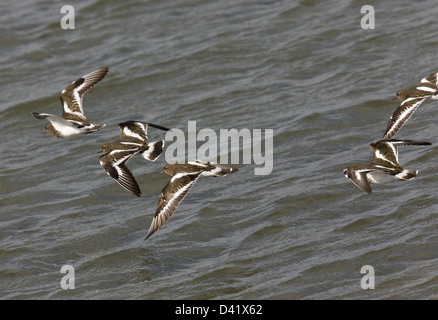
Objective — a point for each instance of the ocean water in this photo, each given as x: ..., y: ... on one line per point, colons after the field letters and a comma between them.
x: 305, y: 69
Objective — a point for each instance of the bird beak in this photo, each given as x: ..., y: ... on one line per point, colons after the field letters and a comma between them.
x: 395, y: 98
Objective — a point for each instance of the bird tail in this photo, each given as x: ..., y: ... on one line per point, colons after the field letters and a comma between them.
x: 95, y: 127
x: 153, y: 150
x: 219, y: 171
x: 156, y: 126
x: 407, y: 174
x: 225, y: 171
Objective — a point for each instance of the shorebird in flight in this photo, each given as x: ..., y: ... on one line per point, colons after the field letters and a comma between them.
x: 384, y: 167
x: 133, y: 139
x: 73, y: 122
x: 411, y: 98
x: 183, y: 177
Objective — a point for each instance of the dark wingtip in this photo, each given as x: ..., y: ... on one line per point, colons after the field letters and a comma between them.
x: 158, y: 127
x: 149, y: 234
x: 135, y: 189
x: 36, y: 115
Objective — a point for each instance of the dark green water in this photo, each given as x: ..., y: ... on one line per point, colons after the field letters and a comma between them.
x: 305, y: 69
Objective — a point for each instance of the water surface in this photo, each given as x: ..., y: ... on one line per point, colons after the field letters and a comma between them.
x: 305, y: 69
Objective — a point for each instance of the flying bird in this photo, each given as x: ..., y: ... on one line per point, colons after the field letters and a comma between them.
x: 384, y: 166
x: 411, y: 98
x: 183, y: 177
x: 133, y: 139
x: 73, y: 122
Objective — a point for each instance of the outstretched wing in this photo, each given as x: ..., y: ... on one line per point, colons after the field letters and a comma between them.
x: 359, y: 178
x: 71, y: 97
x: 171, y: 196
x: 116, y: 168
x: 401, y: 115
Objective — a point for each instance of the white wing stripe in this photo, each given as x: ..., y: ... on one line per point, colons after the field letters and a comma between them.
x: 428, y: 89
x: 179, y: 175
x: 407, y: 100
x: 176, y: 195
x: 130, y: 133
x: 133, y: 143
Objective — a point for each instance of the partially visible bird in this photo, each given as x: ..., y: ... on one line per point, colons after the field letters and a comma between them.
x: 133, y: 139
x: 411, y: 98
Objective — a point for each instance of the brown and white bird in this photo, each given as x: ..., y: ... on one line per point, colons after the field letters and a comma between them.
x: 183, y: 177
x: 133, y: 139
x: 384, y: 167
x: 411, y: 98
x: 73, y: 122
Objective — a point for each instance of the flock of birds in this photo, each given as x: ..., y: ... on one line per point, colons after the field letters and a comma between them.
x: 384, y: 166
x: 133, y: 140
